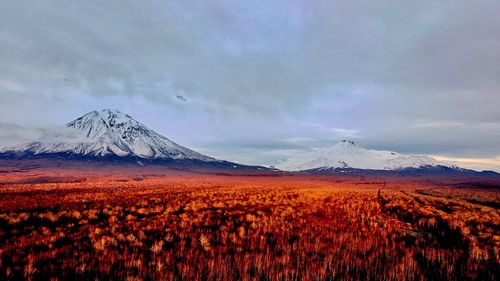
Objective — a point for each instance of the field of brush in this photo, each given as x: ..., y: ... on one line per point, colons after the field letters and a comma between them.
x: 116, y: 225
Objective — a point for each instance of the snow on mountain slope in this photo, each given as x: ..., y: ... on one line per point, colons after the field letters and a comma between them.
x: 108, y: 132
x: 348, y: 154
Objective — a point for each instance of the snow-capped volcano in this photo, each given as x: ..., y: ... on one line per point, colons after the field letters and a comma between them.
x: 348, y: 154
x: 108, y: 133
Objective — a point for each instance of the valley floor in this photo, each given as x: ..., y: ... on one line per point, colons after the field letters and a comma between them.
x: 89, y: 222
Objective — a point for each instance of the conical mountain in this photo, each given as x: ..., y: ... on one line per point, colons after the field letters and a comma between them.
x: 107, y: 133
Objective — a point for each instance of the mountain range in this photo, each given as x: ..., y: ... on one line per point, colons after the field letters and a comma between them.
x: 112, y: 135
x: 348, y: 154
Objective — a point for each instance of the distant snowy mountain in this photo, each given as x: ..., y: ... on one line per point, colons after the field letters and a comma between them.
x: 112, y: 135
x: 348, y: 154
x: 107, y: 133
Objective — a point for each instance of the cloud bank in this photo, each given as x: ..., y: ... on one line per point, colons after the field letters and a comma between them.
x: 253, y: 81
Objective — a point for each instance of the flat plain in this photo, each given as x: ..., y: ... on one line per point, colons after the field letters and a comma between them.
x: 103, y: 222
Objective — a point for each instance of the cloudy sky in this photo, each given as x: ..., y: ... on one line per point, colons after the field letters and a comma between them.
x: 256, y: 81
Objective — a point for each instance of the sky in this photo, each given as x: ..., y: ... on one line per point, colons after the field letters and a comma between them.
x: 257, y: 81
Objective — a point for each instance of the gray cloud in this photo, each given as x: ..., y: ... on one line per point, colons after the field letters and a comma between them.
x: 12, y: 134
x: 413, y: 76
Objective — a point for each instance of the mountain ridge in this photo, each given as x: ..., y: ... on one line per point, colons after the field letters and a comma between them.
x: 347, y: 154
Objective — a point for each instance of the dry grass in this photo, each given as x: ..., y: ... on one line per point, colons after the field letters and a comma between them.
x: 247, y: 228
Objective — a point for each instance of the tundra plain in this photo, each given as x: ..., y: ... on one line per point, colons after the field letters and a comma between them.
x: 103, y: 222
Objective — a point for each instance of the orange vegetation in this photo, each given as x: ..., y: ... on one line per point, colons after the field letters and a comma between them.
x: 177, y: 226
